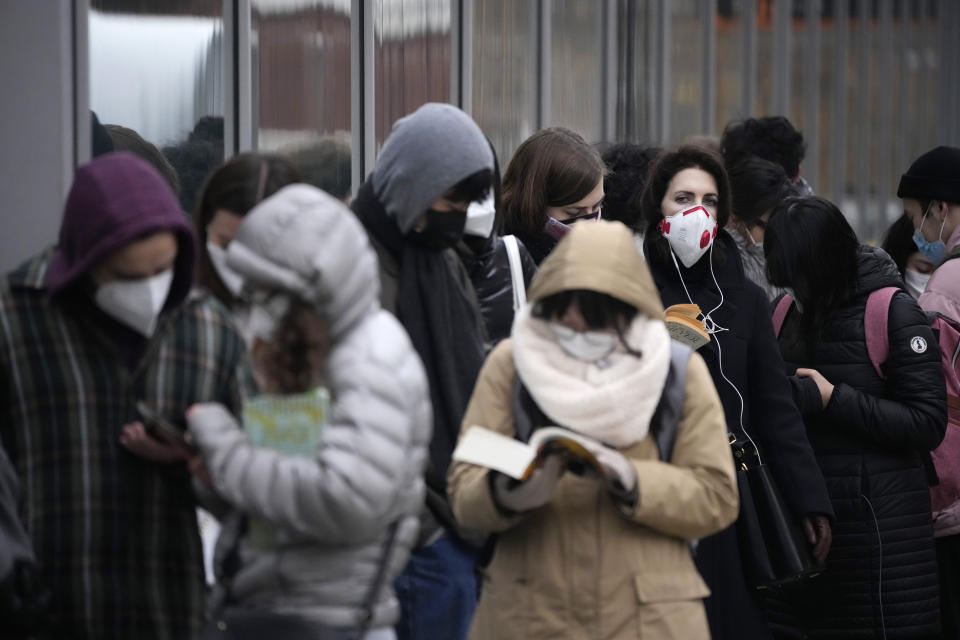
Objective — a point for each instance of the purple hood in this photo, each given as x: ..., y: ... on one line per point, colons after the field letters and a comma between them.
x: 116, y: 199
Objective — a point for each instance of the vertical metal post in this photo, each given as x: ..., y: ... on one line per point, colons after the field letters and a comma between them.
x: 357, y: 97
x: 463, y: 27
x: 544, y: 61
x: 868, y: 216
x: 244, y: 62
x: 228, y: 70
x: 608, y: 69
x: 884, y: 155
x: 748, y: 83
x: 660, y: 72
x: 708, y: 66
x: 839, y: 141
x: 80, y: 107
x: 904, y: 48
x: 811, y: 91
x: 781, y: 57
x: 948, y: 61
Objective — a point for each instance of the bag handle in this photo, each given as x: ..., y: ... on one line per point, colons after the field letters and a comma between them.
x: 875, y: 326
x: 516, y: 272
x: 780, y: 312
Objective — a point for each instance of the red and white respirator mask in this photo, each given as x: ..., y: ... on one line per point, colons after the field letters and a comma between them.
x: 690, y: 232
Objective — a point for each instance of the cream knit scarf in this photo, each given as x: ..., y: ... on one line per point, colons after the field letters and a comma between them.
x: 613, y: 402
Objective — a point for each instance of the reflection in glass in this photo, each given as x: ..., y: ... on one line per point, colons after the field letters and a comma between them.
x: 504, y: 72
x: 411, y: 58
x: 167, y: 107
x: 765, y: 58
x: 301, y: 80
x: 728, y: 65
x: 576, y: 67
x: 686, y: 78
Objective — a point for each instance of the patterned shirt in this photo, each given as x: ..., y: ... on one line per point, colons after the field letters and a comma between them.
x: 115, y: 535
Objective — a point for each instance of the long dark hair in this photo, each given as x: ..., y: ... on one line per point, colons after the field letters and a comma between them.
x: 668, y: 164
x: 757, y: 186
x: 552, y: 168
x: 811, y: 248
x: 627, y: 166
x: 237, y: 187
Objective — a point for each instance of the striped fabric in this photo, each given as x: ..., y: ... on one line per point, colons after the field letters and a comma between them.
x: 116, y: 535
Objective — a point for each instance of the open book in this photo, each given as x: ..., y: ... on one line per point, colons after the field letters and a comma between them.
x: 684, y: 324
x: 517, y: 459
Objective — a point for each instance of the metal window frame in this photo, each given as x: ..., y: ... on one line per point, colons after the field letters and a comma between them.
x: 748, y: 59
x: 80, y: 142
x: 544, y: 57
x: 781, y: 57
x: 811, y: 88
x: 708, y: 66
x: 608, y: 69
x: 659, y: 38
x: 839, y: 140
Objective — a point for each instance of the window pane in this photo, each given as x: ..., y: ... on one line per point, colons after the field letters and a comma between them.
x: 173, y: 102
x: 686, y: 79
x: 301, y: 79
x: 504, y: 72
x: 576, y: 67
x: 729, y: 68
x: 411, y: 58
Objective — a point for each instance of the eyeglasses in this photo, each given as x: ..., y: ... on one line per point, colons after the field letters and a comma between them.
x: 596, y: 214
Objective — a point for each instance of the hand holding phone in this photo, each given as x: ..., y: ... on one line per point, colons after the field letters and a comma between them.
x: 161, y: 428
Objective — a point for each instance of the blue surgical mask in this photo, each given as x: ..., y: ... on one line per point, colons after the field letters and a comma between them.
x: 932, y: 251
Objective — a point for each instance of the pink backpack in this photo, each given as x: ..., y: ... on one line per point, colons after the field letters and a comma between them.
x: 946, y: 457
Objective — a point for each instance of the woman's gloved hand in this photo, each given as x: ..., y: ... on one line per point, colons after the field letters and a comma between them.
x: 618, y: 472
x: 513, y: 497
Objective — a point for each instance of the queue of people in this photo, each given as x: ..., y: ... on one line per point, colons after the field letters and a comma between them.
x: 679, y: 344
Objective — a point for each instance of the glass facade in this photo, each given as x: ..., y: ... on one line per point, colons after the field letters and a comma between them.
x: 864, y: 80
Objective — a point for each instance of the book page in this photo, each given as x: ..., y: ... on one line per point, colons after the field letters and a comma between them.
x: 571, y: 442
x: 490, y: 449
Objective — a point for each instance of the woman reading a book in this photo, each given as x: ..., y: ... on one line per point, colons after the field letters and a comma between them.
x: 593, y: 543
x: 329, y: 495
x: 694, y: 261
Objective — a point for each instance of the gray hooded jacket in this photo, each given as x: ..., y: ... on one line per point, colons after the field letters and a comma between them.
x: 334, y: 511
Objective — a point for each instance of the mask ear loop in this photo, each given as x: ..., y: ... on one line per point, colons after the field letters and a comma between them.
x: 713, y: 329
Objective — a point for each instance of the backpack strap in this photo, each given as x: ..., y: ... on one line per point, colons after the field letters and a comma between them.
x: 780, y: 312
x: 516, y: 272
x: 875, y: 326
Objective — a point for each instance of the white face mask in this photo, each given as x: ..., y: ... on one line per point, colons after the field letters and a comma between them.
x: 232, y: 280
x: 915, y: 282
x: 588, y: 346
x: 480, y: 217
x: 690, y: 233
x: 136, y: 303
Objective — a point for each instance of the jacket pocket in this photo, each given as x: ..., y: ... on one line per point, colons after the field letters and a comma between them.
x: 670, y: 605
x: 669, y: 587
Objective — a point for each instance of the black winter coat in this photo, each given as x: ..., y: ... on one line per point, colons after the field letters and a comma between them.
x: 881, y: 578
x: 752, y: 363
x: 489, y: 269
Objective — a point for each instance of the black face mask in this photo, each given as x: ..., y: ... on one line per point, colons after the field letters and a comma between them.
x: 444, y: 229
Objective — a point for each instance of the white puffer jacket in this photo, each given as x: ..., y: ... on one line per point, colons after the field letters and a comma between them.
x: 335, y: 510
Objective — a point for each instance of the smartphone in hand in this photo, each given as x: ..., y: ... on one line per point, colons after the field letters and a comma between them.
x: 160, y: 427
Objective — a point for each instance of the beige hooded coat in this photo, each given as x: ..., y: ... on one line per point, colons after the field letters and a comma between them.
x: 578, y: 568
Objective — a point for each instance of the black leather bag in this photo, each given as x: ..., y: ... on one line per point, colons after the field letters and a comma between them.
x: 773, y: 549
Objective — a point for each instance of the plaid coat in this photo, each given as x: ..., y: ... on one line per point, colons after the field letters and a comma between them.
x: 116, y: 535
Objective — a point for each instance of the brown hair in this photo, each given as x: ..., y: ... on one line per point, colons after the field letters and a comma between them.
x: 552, y: 168
x: 293, y: 361
x: 237, y: 187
